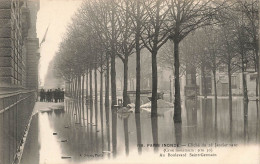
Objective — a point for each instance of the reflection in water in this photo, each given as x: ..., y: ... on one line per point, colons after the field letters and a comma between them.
x: 154, y: 122
x: 178, y: 133
x: 231, y: 129
x: 207, y: 119
x: 87, y: 117
x: 108, y: 130
x: 216, y: 120
x: 126, y: 136
x: 91, y: 112
x: 138, y: 132
x: 84, y: 141
x: 96, y: 112
x: 83, y: 112
x: 258, y: 122
x: 102, y: 124
x: 59, y: 112
x: 48, y: 155
x: 246, y: 135
x: 114, y: 131
x: 257, y: 108
x: 191, y: 111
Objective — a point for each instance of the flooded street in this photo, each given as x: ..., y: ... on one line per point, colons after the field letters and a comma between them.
x: 129, y: 81
x: 79, y: 133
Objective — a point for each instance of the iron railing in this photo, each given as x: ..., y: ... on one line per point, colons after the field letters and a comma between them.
x: 15, y: 111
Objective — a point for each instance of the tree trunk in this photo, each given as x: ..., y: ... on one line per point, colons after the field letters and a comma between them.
x: 101, y: 88
x: 101, y: 95
x: 138, y: 52
x: 125, y: 97
x: 87, y: 97
x: 256, y: 87
x: 79, y: 89
x: 256, y: 45
x: 75, y: 90
x: 91, y: 96
x: 75, y: 87
x: 177, y: 100
x: 230, y: 92
x: 258, y: 73
x: 138, y: 82
x: 257, y: 78
x: 204, y: 82
x: 113, y: 80
x: 154, y: 84
x: 69, y: 89
x: 96, y: 96
x: 90, y: 87
x: 107, y: 83
x: 83, y: 86
x: 216, y: 95
x: 72, y: 88
x: 245, y: 95
x: 113, y: 56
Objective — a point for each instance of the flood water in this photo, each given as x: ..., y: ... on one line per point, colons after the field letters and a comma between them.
x: 81, y: 133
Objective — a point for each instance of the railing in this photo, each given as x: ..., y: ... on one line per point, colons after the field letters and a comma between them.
x: 15, y: 111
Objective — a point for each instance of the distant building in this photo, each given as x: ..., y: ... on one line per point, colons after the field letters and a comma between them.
x: 222, y: 82
x: 19, y: 44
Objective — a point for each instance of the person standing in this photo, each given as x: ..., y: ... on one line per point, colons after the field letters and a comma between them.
x: 55, y: 95
x: 51, y: 95
x: 62, y: 95
x: 47, y: 96
x: 42, y: 94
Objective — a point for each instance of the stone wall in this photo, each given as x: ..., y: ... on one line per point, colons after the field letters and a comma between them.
x: 19, y: 44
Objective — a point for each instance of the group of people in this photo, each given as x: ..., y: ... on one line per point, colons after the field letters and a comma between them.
x: 50, y: 95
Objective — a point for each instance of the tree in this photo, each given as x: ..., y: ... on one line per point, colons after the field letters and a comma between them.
x: 126, y: 42
x: 154, y: 38
x: 138, y: 15
x: 212, y: 40
x: 102, y: 15
x: 250, y: 12
x: 229, y: 58
x: 186, y: 16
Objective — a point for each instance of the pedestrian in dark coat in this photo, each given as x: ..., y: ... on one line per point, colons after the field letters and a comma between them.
x: 56, y: 95
x: 42, y: 95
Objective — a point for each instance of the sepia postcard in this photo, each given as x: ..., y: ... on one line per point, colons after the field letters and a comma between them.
x: 129, y: 81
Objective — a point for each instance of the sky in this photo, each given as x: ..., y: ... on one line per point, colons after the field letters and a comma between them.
x: 57, y: 14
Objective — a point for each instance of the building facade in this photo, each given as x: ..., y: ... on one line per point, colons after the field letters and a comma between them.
x: 19, y: 45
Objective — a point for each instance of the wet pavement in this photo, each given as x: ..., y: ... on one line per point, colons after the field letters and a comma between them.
x: 80, y: 133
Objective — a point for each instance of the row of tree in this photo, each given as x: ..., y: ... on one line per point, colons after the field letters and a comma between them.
x: 103, y: 30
